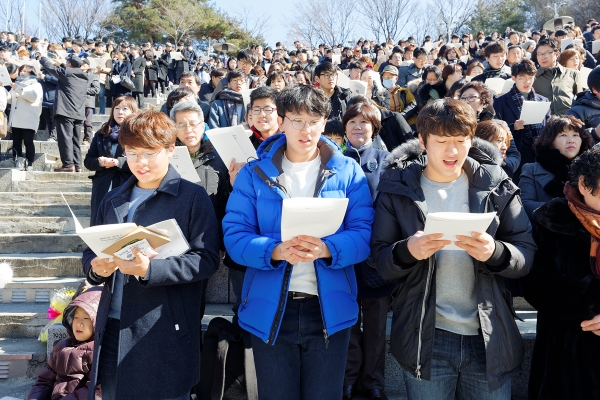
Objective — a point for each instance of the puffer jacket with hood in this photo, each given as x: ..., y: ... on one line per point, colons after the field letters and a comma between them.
x: 26, y: 99
x: 67, y: 374
x: 586, y: 107
x: 400, y: 212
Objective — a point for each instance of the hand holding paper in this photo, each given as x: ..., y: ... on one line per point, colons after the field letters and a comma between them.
x: 138, y: 266
x: 454, y: 224
x: 423, y: 246
x: 103, y: 267
x: 480, y: 246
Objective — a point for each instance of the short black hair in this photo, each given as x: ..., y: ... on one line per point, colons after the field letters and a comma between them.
x: 552, y: 43
x: 325, y: 66
x: 303, y: 98
x: 263, y: 92
x: 190, y: 74
x: 587, y: 166
x: 495, y: 48
x: 334, y: 127
x: 248, y: 55
x: 593, y: 80
x: 595, y: 28
x: 354, y: 65
x: 434, y: 69
x: 418, y: 51
x: 236, y: 73
x: 217, y: 73
x: 512, y: 33
x: 523, y: 67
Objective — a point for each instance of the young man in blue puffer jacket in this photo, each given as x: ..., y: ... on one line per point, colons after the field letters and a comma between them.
x: 299, y: 296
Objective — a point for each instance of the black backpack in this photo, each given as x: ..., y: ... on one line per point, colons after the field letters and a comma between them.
x: 226, y: 358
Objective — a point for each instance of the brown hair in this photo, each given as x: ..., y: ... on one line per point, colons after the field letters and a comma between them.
x: 559, y: 124
x: 147, y: 130
x: 446, y: 117
x: 492, y: 128
x: 128, y: 101
x: 368, y: 111
x: 567, y: 55
x: 449, y: 70
x: 474, y: 65
x: 27, y: 68
x: 495, y: 48
x: 486, y: 96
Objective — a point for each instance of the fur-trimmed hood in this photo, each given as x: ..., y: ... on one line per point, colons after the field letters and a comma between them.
x: 402, y: 169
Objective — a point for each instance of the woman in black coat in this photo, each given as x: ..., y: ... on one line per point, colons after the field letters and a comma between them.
x: 163, y: 69
x: 105, y: 155
x: 121, y: 68
x: 150, y: 74
x: 564, y: 286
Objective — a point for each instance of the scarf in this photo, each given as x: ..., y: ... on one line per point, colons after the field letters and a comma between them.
x: 589, y: 218
x: 113, y: 137
x: 558, y: 165
x: 230, y: 99
x: 529, y: 132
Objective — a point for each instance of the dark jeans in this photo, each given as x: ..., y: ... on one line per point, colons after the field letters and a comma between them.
x: 458, y: 371
x: 68, y: 132
x: 48, y: 116
x: 87, y: 124
x: 237, y: 282
x: 366, y: 351
x: 102, y: 98
x: 161, y: 85
x: 20, y: 135
x: 300, y: 365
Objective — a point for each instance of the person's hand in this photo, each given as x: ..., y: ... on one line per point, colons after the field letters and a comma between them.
x: 138, y: 266
x: 480, y: 246
x: 103, y: 267
x: 598, y: 131
x: 234, y: 170
x: 99, y: 69
x: 592, y: 325
x: 519, y: 124
x: 423, y: 246
x: 13, y: 85
x: 133, y: 74
x: 283, y: 252
x: 310, y: 248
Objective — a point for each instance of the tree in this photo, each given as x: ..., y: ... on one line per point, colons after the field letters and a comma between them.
x: 490, y: 16
x: 388, y: 18
x: 453, y: 15
x: 323, y: 21
x: 69, y: 18
x: 253, y: 24
x: 424, y: 24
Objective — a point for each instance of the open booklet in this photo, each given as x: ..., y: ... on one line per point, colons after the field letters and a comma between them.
x: 499, y: 86
x: 312, y: 216
x: 183, y: 164
x: 165, y: 234
x: 457, y: 223
x: 232, y: 142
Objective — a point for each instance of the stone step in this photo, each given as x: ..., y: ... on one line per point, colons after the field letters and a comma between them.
x: 36, y: 290
x: 41, y: 243
x: 42, y: 146
x: 53, y: 186
x: 48, y: 199
x: 22, y: 320
x: 48, y: 176
x: 35, y: 225
x: 33, y: 265
x: 22, y: 357
x: 44, y: 210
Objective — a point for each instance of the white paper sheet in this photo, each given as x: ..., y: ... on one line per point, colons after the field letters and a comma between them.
x: 534, y: 112
x: 336, y: 59
x: 246, y: 96
x: 178, y: 244
x: 358, y: 87
x: 584, y: 72
x: 176, y: 55
x: 312, y: 216
x: 4, y: 76
x: 456, y: 223
x: 564, y: 43
x: 406, y: 63
x: 468, y: 78
x: 232, y: 142
x: 595, y: 47
x: 183, y: 164
x: 508, y: 84
x: 578, y: 42
x: 464, y: 59
x: 116, y: 79
x: 381, y: 59
x: 495, y: 85
x: 428, y: 46
x: 343, y: 81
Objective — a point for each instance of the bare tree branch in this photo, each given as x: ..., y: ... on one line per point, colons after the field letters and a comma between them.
x: 323, y: 21
x: 68, y: 18
x: 453, y: 14
x: 388, y: 18
x: 255, y: 24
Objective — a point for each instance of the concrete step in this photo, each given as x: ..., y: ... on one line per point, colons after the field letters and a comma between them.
x: 42, y: 146
x: 44, y: 210
x: 41, y: 243
x: 22, y: 320
x: 47, y: 199
x: 35, y: 225
x: 47, y: 176
x: 64, y: 185
x: 22, y: 357
x: 34, y: 265
x: 36, y: 290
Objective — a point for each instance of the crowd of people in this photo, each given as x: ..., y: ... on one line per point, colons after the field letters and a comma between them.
x: 429, y: 135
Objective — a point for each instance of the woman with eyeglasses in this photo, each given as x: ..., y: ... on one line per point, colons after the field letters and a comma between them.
x: 480, y: 98
x: 105, y: 155
x: 147, y: 342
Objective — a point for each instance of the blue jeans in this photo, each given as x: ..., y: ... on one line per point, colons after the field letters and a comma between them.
x: 102, y: 99
x: 300, y: 366
x: 458, y: 371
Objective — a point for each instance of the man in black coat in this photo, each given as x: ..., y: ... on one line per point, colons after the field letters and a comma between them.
x: 138, y: 65
x: 181, y: 66
x: 326, y: 77
x: 69, y: 108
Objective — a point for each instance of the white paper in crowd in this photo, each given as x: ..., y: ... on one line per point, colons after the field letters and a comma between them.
x: 564, y: 43
x: 578, y: 42
x: 346, y: 72
x: 457, y: 223
x: 381, y: 59
x: 508, y: 84
x: 595, y: 47
x: 428, y: 46
x: 232, y: 142
x: 292, y: 73
x: 35, y: 64
x: 534, y: 112
x: 116, y: 79
x: 455, y: 45
x: 464, y: 59
x: 406, y: 63
x: 267, y: 66
x: 495, y: 84
x: 246, y: 96
x: 358, y: 87
x: 99, y: 237
x: 337, y: 51
x: 178, y: 244
x: 4, y: 76
x: 468, y: 78
x: 182, y: 162
x: 343, y: 81
x: 312, y: 216
x: 176, y: 55
x: 157, y: 53
x: 336, y: 58
x: 61, y: 53
x: 584, y: 72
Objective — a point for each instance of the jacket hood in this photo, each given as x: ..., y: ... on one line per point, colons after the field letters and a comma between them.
x: 588, y: 99
x: 403, y: 167
x: 88, y: 301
